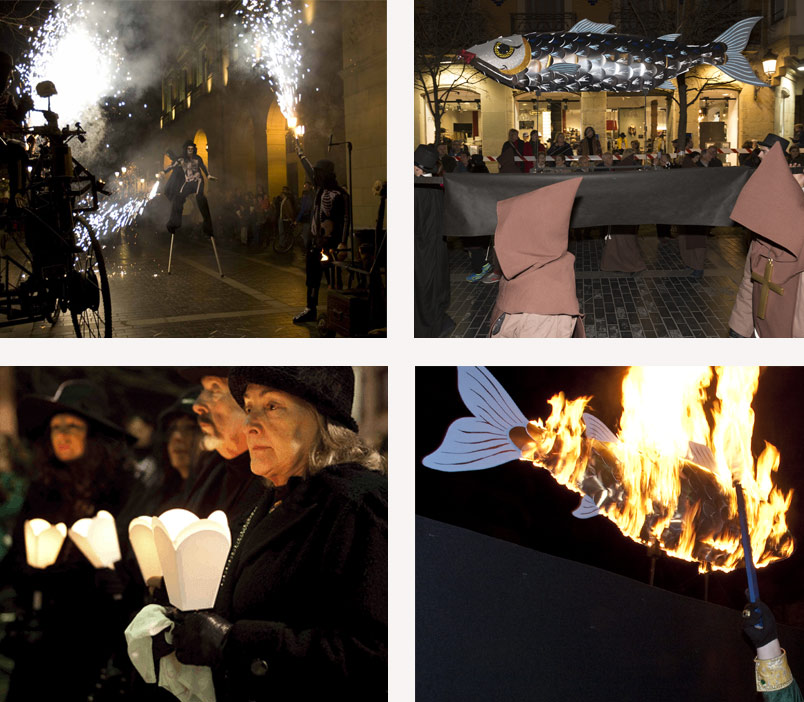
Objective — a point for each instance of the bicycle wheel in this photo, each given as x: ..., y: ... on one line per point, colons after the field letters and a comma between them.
x: 90, y: 301
x: 283, y: 241
x: 26, y: 296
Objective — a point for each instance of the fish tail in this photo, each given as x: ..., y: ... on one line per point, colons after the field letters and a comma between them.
x: 482, y: 440
x: 735, y: 38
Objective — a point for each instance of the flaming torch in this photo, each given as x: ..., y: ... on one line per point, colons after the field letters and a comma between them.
x: 670, y: 477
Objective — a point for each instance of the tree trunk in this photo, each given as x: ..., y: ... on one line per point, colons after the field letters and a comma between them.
x: 437, y: 118
x: 682, y: 112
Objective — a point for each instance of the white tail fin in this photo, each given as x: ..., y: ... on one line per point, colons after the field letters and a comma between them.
x: 735, y: 38
x: 480, y: 441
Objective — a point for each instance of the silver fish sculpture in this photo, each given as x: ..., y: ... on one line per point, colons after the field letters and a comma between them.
x: 498, y: 432
x: 588, y: 58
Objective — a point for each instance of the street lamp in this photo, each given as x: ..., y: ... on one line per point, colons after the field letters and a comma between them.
x: 769, y: 64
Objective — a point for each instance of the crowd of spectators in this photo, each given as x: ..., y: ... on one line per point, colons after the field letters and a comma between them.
x: 253, y: 218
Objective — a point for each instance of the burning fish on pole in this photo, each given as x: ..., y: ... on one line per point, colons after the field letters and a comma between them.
x: 589, y: 58
x: 682, y: 504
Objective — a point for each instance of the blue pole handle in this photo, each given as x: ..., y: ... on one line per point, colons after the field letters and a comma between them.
x: 750, y: 569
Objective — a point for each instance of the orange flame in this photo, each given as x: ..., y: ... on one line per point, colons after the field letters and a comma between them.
x: 671, y: 471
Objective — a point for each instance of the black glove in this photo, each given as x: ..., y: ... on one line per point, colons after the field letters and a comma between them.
x: 199, y: 637
x: 759, y: 624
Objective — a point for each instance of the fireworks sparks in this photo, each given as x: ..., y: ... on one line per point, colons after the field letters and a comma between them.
x: 114, y: 214
x: 270, y: 28
x: 71, y: 50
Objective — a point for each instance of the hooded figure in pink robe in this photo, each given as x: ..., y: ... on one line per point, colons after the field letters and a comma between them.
x: 770, y: 300
x: 536, y: 295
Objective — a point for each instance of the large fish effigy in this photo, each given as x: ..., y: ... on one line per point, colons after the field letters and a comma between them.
x: 698, y: 523
x: 589, y: 58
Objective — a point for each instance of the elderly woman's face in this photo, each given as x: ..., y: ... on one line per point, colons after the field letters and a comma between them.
x: 68, y: 436
x: 281, y: 430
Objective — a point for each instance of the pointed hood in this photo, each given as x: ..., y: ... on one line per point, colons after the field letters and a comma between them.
x: 772, y: 203
x: 531, y: 245
x: 533, y: 229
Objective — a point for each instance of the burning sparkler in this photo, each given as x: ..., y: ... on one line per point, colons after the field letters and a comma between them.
x: 270, y: 28
x: 70, y: 50
x: 666, y: 480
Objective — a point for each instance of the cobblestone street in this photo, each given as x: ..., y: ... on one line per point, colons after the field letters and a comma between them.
x: 258, y: 297
x: 662, y: 301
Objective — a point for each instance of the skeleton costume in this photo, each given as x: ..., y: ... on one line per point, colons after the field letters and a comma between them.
x: 190, y: 166
x: 330, y: 204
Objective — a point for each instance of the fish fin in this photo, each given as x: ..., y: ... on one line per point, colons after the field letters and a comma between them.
x: 586, y: 25
x: 667, y: 85
x: 586, y: 509
x: 737, y: 67
x: 702, y: 455
x: 735, y: 38
x: 568, y: 69
x: 595, y: 429
x: 481, y: 441
x: 669, y: 37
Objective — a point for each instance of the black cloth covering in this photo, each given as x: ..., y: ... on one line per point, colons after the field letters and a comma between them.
x: 674, y: 196
x: 499, y: 621
x: 307, y: 593
x: 430, y: 262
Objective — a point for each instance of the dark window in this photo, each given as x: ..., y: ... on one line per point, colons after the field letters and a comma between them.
x: 777, y: 10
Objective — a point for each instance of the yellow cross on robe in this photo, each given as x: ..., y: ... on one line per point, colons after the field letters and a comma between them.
x: 766, y: 284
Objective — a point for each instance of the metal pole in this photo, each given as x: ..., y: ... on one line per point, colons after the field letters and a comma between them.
x: 170, y: 255
x: 214, y: 248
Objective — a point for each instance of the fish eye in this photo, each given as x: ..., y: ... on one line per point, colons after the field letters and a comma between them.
x: 503, y: 51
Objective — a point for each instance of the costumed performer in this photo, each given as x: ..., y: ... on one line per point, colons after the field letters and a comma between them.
x: 186, y: 180
x: 773, y: 676
x: 536, y: 295
x: 770, y: 299
x: 301, y: 612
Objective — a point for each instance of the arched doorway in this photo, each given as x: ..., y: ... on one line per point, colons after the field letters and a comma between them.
x: 202, y: 146
x: 275, y: 131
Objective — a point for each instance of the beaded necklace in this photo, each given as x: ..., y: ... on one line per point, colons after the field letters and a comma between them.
x: 240, y: 539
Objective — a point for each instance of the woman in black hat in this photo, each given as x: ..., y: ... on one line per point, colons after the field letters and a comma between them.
x: 72, y: 610
x: 302, y: 607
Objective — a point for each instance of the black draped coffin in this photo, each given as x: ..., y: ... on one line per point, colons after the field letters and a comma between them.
x: 497, y: 621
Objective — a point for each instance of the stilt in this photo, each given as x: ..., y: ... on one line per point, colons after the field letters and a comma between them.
x: 170, y: 255
x: 215, y: 249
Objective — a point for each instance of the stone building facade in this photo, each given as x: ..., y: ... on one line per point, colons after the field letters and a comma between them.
x: 727, y: 113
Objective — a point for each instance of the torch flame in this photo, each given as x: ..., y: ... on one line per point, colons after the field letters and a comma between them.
x: 667, y: 412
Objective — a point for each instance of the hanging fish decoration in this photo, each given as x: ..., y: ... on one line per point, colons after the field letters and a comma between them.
x: 701, y: 525
x: 589, y: 58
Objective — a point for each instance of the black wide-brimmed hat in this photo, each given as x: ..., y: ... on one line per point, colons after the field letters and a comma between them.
x: 426, y: 158
x: 79, y: 397
x: 182, y: 407
x: 771, y: 139
x: 330, y: 389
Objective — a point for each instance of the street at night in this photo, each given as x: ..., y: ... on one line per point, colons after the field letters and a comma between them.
x: 258, y: 296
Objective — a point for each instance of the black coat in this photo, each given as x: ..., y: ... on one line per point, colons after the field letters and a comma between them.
x: 307, y: 593
x: 225, y: 484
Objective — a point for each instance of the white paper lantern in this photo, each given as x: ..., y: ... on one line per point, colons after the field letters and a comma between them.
x: 97, y: 539
x: 191, y: 554
x: 43, y: 542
